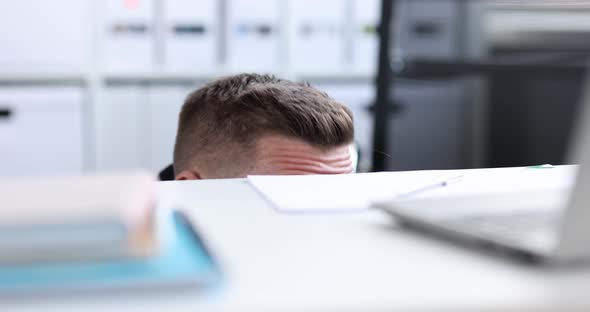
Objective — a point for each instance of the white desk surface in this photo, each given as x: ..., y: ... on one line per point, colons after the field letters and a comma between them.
x: 336, y: 262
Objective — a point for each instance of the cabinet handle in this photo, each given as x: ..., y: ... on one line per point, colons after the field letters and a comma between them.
x: 396, y: 107
x: 5, y: 113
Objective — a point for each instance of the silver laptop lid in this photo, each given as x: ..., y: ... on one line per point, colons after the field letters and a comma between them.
x: 574, y: 229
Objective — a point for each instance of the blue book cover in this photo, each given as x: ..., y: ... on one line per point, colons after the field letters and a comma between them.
x: 183, y: 261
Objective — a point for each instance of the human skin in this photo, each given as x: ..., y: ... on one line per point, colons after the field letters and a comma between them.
x: 281, y: 155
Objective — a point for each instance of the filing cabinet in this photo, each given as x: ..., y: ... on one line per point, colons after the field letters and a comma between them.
x: 164, y: 103
x: 190, y: 31
x: 44, y: 35
x: 128, y: 35
x: 253, y: 35
x: 428, y: 29
x: 41, y: 131
x: 137, y: 125
x: 431, y: 128
x: 119, y: 133
x: 317, y: 35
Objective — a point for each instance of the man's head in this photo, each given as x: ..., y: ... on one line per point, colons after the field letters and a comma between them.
x: 258, y: 124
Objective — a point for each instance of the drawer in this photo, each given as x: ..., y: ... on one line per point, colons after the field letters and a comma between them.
x: 40, y: 131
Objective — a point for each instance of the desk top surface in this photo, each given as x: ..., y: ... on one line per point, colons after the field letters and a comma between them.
x: 343, y: 261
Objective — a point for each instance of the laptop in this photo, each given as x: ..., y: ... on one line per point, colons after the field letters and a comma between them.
x: 544, y: 225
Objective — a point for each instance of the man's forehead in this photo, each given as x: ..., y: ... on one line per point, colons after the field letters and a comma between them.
x: 276, y: 142
x: 282, y: 155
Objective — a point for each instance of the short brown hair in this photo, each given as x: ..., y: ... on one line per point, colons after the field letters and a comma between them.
x: 220, y: 122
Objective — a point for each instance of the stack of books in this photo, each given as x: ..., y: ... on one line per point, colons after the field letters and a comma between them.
x: 77, y: 218
x: 95, y: 232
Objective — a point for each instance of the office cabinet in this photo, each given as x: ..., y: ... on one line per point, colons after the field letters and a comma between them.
x: 137, y: 125
x: 253, y: 35
x: 191, y: 35
x: 41, y: 130
x: 44, y: 35
x: 431, y: 129
x: 128, y: 33
x: 429, y: 28
x: 138, y: 59
x: 365, y: 41
x: 164, y: 107
x: 120, y: 128
x: 317, y: 35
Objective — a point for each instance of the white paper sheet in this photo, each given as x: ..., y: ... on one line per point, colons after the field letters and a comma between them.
x: 350, y: 192
x: 356, y: 192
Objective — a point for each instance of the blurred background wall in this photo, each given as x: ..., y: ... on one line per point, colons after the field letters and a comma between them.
x: 93, y: 85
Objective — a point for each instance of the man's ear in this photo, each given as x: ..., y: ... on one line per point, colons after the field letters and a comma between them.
x: 189, y: 175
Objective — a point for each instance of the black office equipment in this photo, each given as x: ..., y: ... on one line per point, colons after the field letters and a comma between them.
x: 532, y: 79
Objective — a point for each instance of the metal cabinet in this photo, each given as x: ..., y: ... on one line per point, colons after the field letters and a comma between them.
x: 431, y: 130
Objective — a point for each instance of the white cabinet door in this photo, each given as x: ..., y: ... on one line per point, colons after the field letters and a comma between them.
x: 317, y: 35
x: 136, y: 126
x: 164, y: 105
x: 253, y: 35
x: 191, y: 31
x: 366, y: 17
x: 128, y: 35
x: 40, y: 130
x: 44, y: 35
x: 119, y: 128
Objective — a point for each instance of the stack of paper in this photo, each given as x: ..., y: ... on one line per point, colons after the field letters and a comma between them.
x: 182, y: 261
x: 357, y: 192
x: 349, y: 192
x: 99, y: 232
x: 77, y: 218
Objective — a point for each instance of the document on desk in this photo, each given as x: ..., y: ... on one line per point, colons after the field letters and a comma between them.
x: 356, y: 192
x: 347, y: 192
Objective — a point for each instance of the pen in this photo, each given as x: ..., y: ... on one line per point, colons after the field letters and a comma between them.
x: 434, y: 185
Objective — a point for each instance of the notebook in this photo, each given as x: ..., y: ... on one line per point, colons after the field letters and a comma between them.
x: 184, y: 261
x: 77, y: 217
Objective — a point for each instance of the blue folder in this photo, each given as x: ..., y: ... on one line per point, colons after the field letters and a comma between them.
x: 183, y: 261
